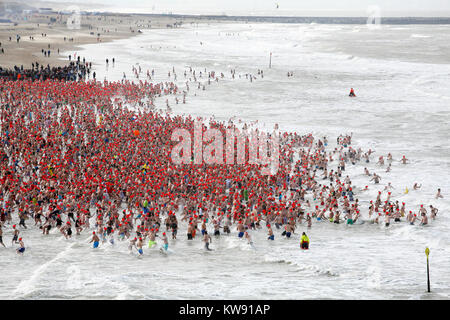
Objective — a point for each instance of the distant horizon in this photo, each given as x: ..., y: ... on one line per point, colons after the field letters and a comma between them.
x: 287, y: 8
x: 312, y: 14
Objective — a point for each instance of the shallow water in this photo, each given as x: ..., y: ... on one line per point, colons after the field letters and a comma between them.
x: 400, y: 75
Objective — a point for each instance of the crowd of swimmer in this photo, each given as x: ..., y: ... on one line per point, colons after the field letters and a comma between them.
x: 198, y: 79
x: 72, y: 153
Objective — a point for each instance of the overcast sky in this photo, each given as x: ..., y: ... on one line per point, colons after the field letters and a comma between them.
x: 268, y: 7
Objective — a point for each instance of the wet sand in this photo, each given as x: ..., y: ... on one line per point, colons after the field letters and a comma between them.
x: 50, y: 32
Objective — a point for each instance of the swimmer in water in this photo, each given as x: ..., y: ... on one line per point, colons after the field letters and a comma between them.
x: 207, y: 239
x: 174, y: 226
x: 416, y: 186
x: 111, y: 237
x: 389, y: 186
x: 1, y: 236
x: 21, y: 249
x: 132, y: 244
x: 397, y: 216
x: 438, y: 194
x: 152, y: 238
x: 249, y: 238
x: 376, y: 178
x: 95, y: 239
x: 387, y: 219
x: 216, y: 227
x: 413, y: 219
x: 389, y: 157
x: 424, y: 220
x: 270, y: 233
x: 139, y: 245
x: 240, y: 227
x: 165, y: 241
x: 336, y: 218
x: 190, y: 230
x: 203, y: 228
x: 409, y: 216
x: 433, y: 211
x: 308, y: 220
x: 288, y: 231
x: 15, y: 235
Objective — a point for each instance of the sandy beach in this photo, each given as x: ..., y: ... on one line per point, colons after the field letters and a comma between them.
x: 40, y: 32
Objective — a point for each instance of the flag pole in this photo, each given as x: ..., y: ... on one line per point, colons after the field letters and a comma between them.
x: 427, y: 252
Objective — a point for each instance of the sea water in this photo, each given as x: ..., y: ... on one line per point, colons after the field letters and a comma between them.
x: 401, y: 78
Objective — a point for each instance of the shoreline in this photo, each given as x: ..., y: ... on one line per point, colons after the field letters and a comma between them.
x: 39, y: 33
x: 43, y: 32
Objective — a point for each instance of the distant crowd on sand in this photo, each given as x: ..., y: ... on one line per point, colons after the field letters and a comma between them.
x: 77, y: 159
x: 74, y: 71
